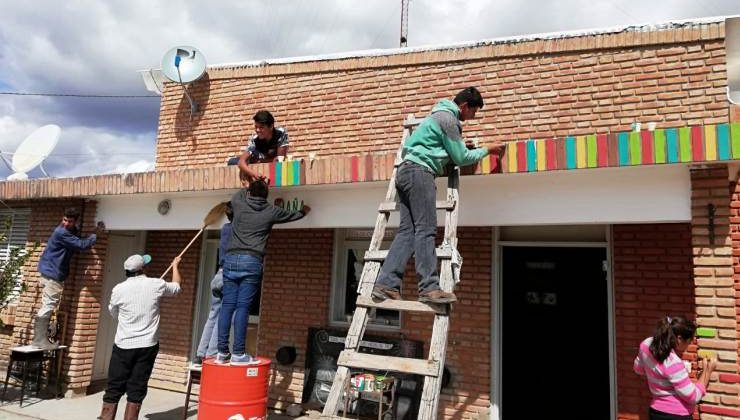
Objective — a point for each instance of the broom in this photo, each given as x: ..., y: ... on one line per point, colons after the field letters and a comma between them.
x: 213, y: 216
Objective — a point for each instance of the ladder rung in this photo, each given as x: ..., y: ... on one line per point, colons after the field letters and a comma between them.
x: 403, y: 305
x: 351, y: 358
x: 381, y: 254
x: 393, y: 205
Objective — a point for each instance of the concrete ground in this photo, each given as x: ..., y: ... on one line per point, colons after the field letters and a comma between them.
x: 158, y: 405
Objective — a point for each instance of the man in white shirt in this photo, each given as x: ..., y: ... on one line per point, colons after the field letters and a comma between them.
x: 135, y: 304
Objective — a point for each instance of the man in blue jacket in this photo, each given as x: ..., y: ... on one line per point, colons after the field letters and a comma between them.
x: 54, y: 268
x: 436, y: 143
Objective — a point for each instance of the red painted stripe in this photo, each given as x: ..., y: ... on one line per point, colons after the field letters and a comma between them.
x: 602, y: 153
x: 272, y: 172
x: 355, y: 169
x: 697, y: 143
x: 521, y: 156
x: 495, y: 163
x: 648, y: 155
x: 551, y: 162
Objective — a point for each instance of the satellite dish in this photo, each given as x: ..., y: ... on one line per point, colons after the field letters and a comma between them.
x: 184, y: 65
x: 32, y: 152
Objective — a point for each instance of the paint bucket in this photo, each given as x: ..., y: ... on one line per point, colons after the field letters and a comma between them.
x: 228, y: 391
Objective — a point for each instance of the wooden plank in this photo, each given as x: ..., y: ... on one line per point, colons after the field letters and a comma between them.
x: 393, y: 206
x: 381, y: 254
x: 723, y: 141
x: 403, y: 305
x: 660, y: 146
x: 352, y: 359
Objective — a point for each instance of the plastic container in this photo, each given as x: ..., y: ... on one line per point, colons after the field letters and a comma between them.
x: 234, y: 392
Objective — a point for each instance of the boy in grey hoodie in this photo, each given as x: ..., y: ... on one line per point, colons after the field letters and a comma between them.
x: 251, y: 227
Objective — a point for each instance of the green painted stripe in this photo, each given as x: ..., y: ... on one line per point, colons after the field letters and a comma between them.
x: 684, y: 144
x: 706, y: 332
x: 735, y: 135
x: 635, y: 148
x: 591, y: 160
x: 660, y: 149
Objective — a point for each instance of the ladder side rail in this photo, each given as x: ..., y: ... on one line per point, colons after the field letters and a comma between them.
x: 367, y: 280
x: 429, y: 405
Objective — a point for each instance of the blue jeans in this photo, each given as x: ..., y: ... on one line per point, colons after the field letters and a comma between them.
x: 208, y: 345
x: 417, y: 195
x: 242, y: 280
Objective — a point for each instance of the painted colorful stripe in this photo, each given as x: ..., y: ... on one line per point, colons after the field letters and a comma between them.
x: 735, y: 135
x: 684, y: 144
x: 624, y: 149
x: 581, y: 152
x: 541, y: 155
x: 521, y: 156
x: 551, y: 160
x: 674, y: 154
x: 723, y: 142
x: 697, y: 144
x: 485, y: 165
x: 531, y: 156
x: 278, y: 174
x: 646, y: 138
x: 570, y: 152
x: 635, y: 150
x: 602, y: 157
x: 511, y: 151
x: 288, y: 176
x: 591, y: 151
x: 296, y: 172
x: 659, y: 144
x: 710, y: 142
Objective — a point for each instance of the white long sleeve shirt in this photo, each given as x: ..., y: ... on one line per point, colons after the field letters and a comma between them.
x: 135, y: 303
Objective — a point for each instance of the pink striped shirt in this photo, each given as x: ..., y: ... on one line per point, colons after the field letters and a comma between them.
x: 673, y: 391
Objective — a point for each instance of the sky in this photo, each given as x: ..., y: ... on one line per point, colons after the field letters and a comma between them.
x: 90, y: 47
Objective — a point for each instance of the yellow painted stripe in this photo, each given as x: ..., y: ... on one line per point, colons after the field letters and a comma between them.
x: 541, y: 155
x: 710, y: 142
x: 511, y: 153
x: 581, y: 151
x: 485, y: 165
x: 284, y: 173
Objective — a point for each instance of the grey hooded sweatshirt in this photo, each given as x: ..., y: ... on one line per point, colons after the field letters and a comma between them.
x: 253, y: 220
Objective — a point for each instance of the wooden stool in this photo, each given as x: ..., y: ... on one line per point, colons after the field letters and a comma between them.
x: 193, y: 378
x: 29, y: 356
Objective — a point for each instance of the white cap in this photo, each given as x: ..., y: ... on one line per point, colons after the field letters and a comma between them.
x: 136, y: 262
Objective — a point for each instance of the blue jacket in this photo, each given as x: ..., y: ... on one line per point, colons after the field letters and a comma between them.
x: 224, y: 243
x: 61, y: 246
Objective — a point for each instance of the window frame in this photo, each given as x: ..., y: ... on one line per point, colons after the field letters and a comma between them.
x: 338, y: 281
x: 14, y: 240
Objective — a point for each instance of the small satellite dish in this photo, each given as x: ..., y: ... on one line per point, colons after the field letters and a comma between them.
x: 32, y: 152
x: 184, y: 65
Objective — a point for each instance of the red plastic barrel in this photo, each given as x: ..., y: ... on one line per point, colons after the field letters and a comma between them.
x: 228, y: 391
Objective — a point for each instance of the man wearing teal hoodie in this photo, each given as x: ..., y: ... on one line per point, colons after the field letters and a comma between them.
x: 432, y: 146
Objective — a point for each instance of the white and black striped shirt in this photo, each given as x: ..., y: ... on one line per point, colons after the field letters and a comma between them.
x: 135, y: 303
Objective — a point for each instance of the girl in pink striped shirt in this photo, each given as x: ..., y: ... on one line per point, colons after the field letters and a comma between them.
x: 674, y: 394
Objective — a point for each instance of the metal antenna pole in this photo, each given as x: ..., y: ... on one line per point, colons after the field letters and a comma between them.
x: 404, y: 22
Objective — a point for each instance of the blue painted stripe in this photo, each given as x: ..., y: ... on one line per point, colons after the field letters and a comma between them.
x: 570, y: 152
x: 624, y: 149
x: 723, y: 142
x: 278, y: 173
x: 671, y: 136
x: 531, y: 156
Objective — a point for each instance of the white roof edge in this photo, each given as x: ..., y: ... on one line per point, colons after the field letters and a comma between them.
x: 476, y: 43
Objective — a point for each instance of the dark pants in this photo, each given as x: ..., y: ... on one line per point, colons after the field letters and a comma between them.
x: 417, y: 195
x: 659, y: 415
x: 129, y: 372
x: 242, y: 281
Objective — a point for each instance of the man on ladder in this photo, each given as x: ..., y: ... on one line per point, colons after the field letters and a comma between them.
x: 431, y: 147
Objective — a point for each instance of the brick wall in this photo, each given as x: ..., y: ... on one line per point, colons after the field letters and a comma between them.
x: 652, y: 279
x: 296, y: 295
x: 81, y: 293
x: 571, y: 86
x: 176, y: 313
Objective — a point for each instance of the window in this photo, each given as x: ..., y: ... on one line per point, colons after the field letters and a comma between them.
x: 16, y: 237
x: 349, y: 252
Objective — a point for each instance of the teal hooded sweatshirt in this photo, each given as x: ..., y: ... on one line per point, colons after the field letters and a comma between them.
x: 438, y: 140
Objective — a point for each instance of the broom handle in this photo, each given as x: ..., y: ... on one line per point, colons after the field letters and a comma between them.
x: 184, y: 250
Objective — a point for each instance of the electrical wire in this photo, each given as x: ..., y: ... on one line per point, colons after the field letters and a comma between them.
x: 76, y: 95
